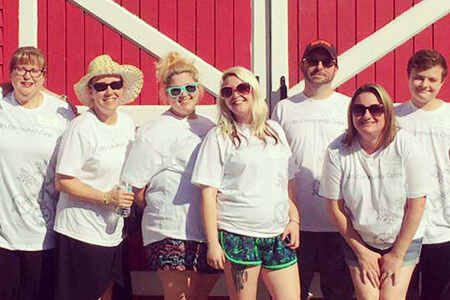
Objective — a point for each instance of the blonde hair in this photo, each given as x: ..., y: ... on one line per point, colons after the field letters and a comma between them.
x: 227, y: 122
x: 27, y: 55
x: 172, y: 65
x: 390, y: 127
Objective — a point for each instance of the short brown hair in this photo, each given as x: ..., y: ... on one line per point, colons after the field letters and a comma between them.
x: 390, y: 127
x: 25, y: 55
x: 425, y: 59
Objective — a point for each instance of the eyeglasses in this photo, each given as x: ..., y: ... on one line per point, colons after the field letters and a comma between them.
x: 175, y: 91
x: 35, y: 73
x: 327, y: 62
x: 242, y: 88
x: 103, y: 86
x: 375, y: 110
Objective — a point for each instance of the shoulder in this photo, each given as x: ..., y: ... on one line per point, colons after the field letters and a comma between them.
x: 206, y: 122
x: 336, y: 96
x: 56, y: 105
x: 275, y: 126
x: 402, y: 109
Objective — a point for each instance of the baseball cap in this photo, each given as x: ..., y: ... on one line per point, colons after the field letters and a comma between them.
x: 329, y: 47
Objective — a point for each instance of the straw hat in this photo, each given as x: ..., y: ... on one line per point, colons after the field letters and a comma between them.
x: 133, y: 79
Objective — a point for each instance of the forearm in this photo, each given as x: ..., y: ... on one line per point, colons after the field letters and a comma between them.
x: 411, y: 220
x: 209, y: 213
x: 73, y: 186
x: 139, y: 197
x: 293, y: 209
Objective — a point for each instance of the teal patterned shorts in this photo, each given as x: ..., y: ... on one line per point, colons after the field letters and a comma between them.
x: 270, y: 253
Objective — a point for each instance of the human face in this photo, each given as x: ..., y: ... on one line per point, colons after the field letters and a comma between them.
x: 105, y: 102
x: 318, y: 73
x: 425, y: 85
x: 369, y: 126
x: 26, y: 87
x: 240, y: 105
x: 184, y: 105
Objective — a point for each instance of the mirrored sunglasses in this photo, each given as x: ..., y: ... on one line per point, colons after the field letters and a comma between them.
x: 103, y: 86
x: 375, y: 110
x: 242, y: 88
x: 175, y: 91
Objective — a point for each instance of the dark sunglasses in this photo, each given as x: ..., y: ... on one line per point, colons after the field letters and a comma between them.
x: 103, y: 86
x: 242, y: 88
x: 175, y: 91
x: 375, y: 110
x: 327, y: 62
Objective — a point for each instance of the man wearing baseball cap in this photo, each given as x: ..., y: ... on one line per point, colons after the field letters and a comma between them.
x: 312, y: 119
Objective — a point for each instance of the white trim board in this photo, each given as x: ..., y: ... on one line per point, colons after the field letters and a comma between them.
x: 28, y: 22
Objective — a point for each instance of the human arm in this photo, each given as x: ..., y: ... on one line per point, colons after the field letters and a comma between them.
x: 215, y: 254
x: 73, y: 186
x: 139, y: 197
x: 292, y: 229
x: 368, y: 260
x: 392, y: 261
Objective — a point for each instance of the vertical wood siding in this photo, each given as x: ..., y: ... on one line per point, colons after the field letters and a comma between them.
x: 9, y: 26
x: 346, y: 22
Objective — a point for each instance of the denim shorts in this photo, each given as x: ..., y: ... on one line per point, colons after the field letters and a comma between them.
x: 270, y: 253
x: 411, y: 257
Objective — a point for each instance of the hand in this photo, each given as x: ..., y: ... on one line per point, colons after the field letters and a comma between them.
x: 390, y: 264
x: 215, y: 256
x: 121, y: 198
x: 369, y: 267
x: 292, y: 233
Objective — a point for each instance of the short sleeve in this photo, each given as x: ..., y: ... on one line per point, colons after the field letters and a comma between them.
x: 415, y: 166
x: 276, y: 114
x: 330, y: 183
x: 143, y: 162
x: 209, y: 166
x: 73, y: 153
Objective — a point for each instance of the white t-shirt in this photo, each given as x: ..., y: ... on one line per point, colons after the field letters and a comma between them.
x: 162, y: 158
x: 310, y: 126
x: 93, y: 152
x: 252, y: 181
x: 27, y: 164
x: 432, y: 130
x: 375, y: 187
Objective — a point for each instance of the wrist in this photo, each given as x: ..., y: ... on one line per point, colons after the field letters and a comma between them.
x: 294, y: 221
x: 107, y: 198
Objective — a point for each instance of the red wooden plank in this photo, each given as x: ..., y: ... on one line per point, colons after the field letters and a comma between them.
x: 168, y: 18
x: 402, y: 54
x: 327, y: 20
x: 224, y: 39
x: 75, y: 48
x: 308, y: 24
x: 242, y: 33
x: 384, y: 68
x: 442, y: 44
x: 149, y: 94
x: 1, y: 16
x: 93, y: 34
x: 346, y: 37
x: 11, y: 32
x: 365, y: 24
x: 205, y: 38
x: 112, y: 41
x: 293, y: 42
x: 42, y: 26
x: 186, y: 24
x: 56, y: 43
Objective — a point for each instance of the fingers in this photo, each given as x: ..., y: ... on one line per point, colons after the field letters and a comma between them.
x: 385, y: 277
x: 373, y: 279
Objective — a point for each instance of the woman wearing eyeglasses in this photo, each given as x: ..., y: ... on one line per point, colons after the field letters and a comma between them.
x: 90, y: 161
x: 159, y: 168
x: 246, y: 173
x: 31, y: 123
x: 373, y: 180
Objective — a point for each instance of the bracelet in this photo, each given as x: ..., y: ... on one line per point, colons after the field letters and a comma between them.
x: 106, y: 198
x: 294, y: 221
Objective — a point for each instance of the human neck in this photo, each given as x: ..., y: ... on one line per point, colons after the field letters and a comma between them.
x: 30, y: 101
x: 369, y: 144
x: 318, y: 92
x: 107, y: 118
x: 428, y: 106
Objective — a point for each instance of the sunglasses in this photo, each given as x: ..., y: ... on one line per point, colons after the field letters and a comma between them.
x: 375, y: 110
x: 103, y: 86
x: 242, y: 88
x: 327, y: 62
x: 175, y: 91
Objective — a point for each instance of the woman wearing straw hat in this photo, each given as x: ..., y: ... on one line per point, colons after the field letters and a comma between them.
x: 31, y: 124
x: 90, y: 161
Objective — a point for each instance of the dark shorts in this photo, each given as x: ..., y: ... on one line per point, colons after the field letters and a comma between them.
x: 411, y: 257
x: 26, y: 274
x: 84, y: 271
x: 270, y: 253
x: 178, y: 255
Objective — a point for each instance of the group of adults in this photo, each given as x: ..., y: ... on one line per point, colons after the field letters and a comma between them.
x: 329, y: 183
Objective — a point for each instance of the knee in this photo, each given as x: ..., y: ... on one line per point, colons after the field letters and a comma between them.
x: 368, y: 295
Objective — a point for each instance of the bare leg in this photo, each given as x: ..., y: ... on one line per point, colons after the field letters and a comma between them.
x: 364, y: 291
x: 397, y: 291
x: 107, y: 295
x: 283, y: 284
x: 242, y: 282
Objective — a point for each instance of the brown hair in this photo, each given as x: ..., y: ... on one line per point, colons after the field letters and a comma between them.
x: 425, y: 59
x: 27, y: 55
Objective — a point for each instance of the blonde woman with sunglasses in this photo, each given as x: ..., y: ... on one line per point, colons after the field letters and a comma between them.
x: 159, y: 168
x: 246, y: 173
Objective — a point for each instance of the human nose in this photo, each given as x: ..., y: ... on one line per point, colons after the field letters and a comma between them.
x: 319, y: 64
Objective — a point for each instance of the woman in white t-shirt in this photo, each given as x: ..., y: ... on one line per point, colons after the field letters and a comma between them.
x: 90, y: 160
x: 159, y: 168
x: 373, y: 180
x: 246, y: 172
x: 31, y: 124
